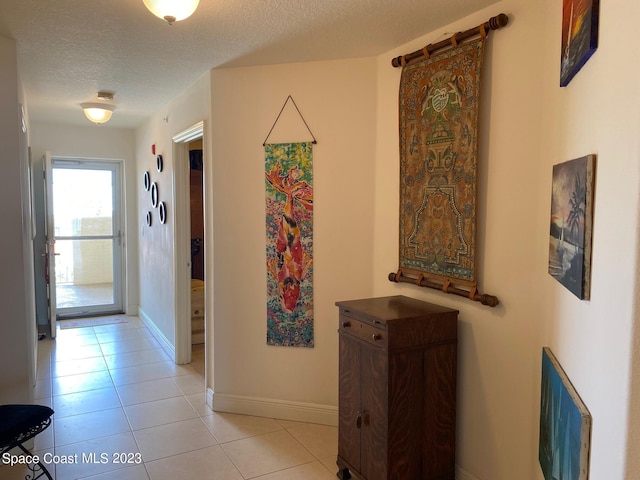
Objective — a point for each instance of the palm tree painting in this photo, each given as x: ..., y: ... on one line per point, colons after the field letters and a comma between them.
x: 571, y: 223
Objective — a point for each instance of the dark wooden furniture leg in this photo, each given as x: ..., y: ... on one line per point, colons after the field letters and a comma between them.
x: 19, y: 423
x: 343, y: 472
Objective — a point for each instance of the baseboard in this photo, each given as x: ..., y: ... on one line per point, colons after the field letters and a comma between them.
x: 272, y: 408
x: 462, y: 474
x: 157, y: 334
x: 209, y: 398
x: 294, y: 411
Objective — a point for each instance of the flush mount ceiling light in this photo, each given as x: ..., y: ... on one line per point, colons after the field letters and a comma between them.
x: 98, y: 112
x: 172, y: 10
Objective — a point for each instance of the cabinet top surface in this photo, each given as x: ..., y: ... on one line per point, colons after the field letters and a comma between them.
x: 393, y: 308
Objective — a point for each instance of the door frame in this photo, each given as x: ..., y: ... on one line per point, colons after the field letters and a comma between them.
x: 49, y: 252
x: 116, y: 166
x: 182, y: 242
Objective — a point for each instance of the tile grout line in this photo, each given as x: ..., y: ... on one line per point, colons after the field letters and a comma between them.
x: 121, y: 406
x: 200, y: 413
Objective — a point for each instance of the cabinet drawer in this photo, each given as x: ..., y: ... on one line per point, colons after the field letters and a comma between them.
x: 363, y: 331
x: 405, y: 322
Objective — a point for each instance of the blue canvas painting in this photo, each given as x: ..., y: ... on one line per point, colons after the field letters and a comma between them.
x: 565, y: 425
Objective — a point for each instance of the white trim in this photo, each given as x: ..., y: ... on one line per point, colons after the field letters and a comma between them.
x: 274, y: 408
x: 181, y: 240
x: 181, y: 248
x: 131, y: 310
x: 158, y: 335
x: 209, y: 398
x: 462, y: 474
x: 49, y: 235
x: 191, y: 133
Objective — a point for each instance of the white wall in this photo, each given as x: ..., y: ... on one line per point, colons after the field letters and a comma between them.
x: 28, y: 234
x: 528, y: 124
x: 337, y: 100
x: 156, y: 254
x: 18, y: 320
x: 99, y: 142
x: 599, y: 112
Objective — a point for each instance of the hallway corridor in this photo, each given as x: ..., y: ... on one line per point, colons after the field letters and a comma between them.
x: 118, y: 397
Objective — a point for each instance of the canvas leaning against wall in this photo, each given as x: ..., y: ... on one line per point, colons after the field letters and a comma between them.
x: 565, y: 425
x: 571, y: 224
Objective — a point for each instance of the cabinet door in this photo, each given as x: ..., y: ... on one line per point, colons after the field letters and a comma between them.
x: 439, y: 450
x: 406, y: 414
x: 349, y: 419
x: 374, y: 450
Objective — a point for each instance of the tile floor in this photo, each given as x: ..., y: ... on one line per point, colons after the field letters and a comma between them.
x: 119, y: 399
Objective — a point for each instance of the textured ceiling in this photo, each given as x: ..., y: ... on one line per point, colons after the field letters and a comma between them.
x: 70, y: 49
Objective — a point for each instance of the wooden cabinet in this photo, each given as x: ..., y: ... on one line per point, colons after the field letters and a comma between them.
x: 397, y: 389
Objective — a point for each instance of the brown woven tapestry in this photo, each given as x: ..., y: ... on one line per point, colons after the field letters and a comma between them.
x: 439, y: 99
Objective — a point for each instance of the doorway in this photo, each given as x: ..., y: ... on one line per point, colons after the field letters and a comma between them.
x: 196, y: 196
x: 84, y: 237
x: 193, y: 310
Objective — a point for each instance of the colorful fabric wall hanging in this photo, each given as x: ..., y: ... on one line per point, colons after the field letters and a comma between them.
x: 289, y: 243
x: 439, y: 109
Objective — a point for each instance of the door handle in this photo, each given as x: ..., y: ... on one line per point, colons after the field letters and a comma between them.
x: 362, y: 416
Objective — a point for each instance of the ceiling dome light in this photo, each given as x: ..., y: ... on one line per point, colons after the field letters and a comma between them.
x: 99, y: 112
x: 172, y: 10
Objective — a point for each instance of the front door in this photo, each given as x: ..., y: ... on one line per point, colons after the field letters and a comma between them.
x: 84, y: 237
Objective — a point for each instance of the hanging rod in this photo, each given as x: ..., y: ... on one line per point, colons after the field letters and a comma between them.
x: 446, y: 287
x: 494, y: 23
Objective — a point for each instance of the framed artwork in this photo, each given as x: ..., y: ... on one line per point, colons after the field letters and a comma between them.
x: 571, y: 224
x: 579, y: 36
x: 565, y: 425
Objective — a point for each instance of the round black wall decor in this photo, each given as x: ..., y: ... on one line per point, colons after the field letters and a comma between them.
x: 147, y: 181
x: 154, y: 194
x: 163, y: 213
